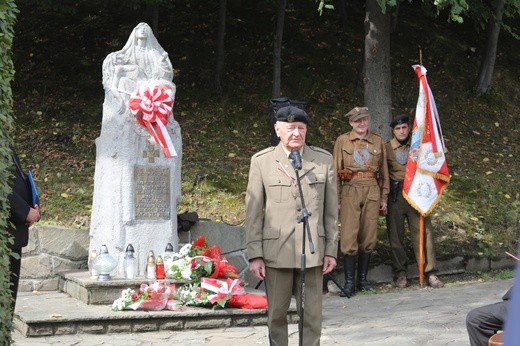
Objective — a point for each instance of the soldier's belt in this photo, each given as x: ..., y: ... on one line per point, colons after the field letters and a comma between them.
x: 360, y: 175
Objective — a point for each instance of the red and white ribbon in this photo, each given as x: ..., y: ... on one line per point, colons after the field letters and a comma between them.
x: 221, y: 288
x: 152, y: 104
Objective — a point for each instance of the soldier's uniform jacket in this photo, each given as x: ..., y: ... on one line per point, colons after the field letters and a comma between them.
x: 362, y: 155
x: 397, y: 154
x: 273, y: 205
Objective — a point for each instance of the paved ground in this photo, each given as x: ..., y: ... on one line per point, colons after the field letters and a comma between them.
x: 412, y: 316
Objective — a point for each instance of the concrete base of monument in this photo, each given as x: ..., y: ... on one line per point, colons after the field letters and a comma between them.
x: 77, y: 309
x: 81, y: 286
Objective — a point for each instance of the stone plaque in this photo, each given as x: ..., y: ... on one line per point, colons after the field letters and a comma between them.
x: 152, y: 193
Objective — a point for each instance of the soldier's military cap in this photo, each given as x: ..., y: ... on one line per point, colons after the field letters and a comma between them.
x: 399, y: 120
x: 290, y: 114
x: 357, y: 113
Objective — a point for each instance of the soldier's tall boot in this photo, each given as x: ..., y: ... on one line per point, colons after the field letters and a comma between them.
x: 363, y: 263
x: 349, y: 267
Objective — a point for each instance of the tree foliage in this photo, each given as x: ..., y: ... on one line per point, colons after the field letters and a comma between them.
x: 8, y: 13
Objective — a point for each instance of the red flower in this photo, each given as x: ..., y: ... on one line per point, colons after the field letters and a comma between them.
x: 223, y: 269
x: 134, y: 297
x: 213, y: 252
x: 200, y: 242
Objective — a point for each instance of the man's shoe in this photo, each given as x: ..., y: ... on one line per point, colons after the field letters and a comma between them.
x: 401, y: 281
x: 434, y: 281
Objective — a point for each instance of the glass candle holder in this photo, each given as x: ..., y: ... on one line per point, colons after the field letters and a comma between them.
x: 104, y: 264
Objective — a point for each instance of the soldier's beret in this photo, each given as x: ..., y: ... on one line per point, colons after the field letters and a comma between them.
x: 291, y: 114
x: 357, y: 113
x: 399, y: 120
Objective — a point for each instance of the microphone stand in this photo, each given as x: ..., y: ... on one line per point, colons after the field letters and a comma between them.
x: 304, y: 217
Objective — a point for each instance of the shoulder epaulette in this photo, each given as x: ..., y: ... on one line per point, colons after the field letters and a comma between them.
x: 320, y: 150
x: 264, y: 151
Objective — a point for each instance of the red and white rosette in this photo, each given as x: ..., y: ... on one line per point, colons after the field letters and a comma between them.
x: 152, y: 104
x: 222, y: 288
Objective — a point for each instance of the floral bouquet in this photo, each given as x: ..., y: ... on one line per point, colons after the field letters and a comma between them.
x: 191, y: 269
x: 147, y: 297
x: 208, y: 281
x: 218, y: 293
x: 211, y: 292
x: 198, y: 260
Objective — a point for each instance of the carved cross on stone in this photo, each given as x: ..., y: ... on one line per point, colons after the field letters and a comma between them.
x: 151, y: 153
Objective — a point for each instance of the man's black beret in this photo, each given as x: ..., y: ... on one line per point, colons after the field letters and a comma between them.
x: 399, y: 120
x: 290, y: 114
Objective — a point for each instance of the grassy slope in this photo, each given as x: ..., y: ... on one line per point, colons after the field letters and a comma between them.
x: 58, y: 101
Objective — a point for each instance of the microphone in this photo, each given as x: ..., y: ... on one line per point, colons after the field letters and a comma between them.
x: 296, y: 159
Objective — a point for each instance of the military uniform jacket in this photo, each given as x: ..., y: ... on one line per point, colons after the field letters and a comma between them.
x: 363, y: 155
x: 397, y: 154
x: 273, y: 205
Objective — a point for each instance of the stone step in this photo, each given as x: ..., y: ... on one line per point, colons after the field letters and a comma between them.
x: 56, y: 313
x: 80, y: 285
x: 85, y: 306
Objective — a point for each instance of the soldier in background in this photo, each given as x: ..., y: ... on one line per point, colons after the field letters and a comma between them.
x: 360, y: 162
x: 400, y: 210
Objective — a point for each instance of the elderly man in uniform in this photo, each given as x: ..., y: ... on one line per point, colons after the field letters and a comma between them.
x: 273, y: 233
x: 360, y: 161
x: 400, y: 210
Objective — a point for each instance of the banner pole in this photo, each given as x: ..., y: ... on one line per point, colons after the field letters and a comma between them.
x: 421, y: 250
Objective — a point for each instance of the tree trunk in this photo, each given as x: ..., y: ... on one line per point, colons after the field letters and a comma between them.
x: 487, y: 64
x: 219, y: 66
x: 277, y: 52
x: 377, y: 74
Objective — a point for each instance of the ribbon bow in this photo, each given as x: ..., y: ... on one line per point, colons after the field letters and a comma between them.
x: 152, y: 104
x: 222, y: 288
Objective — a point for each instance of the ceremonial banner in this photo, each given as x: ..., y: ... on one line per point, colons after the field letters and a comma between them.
x: 426, y: 169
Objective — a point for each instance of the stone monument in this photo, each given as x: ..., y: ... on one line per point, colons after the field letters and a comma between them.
x: 137, y: 181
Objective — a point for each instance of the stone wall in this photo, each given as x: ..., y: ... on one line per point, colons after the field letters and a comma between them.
x: 54, y: 249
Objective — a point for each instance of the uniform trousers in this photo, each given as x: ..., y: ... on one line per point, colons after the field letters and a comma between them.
x: 398, y: 212
x: 281, y: 284
x: 484, y: 321
x: 359, y: 213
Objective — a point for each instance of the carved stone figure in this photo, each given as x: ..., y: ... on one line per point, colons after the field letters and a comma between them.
x: 136, y: 187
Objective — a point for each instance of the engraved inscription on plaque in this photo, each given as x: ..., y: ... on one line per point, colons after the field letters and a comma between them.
x: 152, y: 193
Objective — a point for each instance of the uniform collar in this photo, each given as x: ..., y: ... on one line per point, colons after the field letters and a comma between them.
x: 282, y: 155
x: 395, y: 143
x: 369, y: 137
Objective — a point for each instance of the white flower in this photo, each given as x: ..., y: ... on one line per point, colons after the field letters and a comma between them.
x: 118, y: 304
x: 185, y: 250
x: 186, y: 273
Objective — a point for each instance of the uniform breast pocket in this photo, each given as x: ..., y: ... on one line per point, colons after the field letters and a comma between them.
x: 347, y: 154
x: 316, y: 185
x: 375, y: 156
x: 278, y: 190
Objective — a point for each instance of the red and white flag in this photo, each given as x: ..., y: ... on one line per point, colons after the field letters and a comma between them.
x: 426, y: 169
